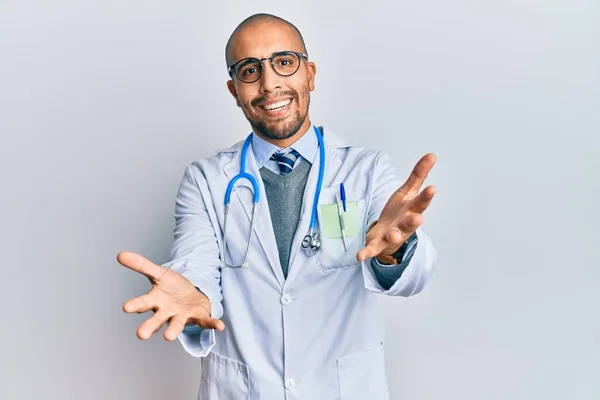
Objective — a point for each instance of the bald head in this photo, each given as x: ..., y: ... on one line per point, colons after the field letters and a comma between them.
x: 253, y: 21
x: 275, y: 104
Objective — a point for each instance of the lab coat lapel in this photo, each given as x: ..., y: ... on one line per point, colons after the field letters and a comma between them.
x: 263, y: 227
x: 332, y: 166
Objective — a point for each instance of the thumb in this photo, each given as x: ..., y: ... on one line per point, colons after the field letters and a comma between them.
x: 140, y: 264
x: 370, y: 250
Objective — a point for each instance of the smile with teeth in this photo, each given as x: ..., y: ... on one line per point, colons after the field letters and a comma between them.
x: 277, y: 106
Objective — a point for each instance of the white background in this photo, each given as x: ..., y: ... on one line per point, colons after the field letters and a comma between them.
x: 104, y: 103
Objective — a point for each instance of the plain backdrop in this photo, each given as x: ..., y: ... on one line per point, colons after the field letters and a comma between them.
x: 104, y: 103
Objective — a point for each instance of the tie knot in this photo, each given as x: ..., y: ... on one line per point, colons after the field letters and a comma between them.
x: 286, y: 160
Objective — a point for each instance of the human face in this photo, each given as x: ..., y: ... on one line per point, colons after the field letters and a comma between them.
x: 276, y: 106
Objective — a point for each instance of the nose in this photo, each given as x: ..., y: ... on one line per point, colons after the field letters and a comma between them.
x: 269, y: 80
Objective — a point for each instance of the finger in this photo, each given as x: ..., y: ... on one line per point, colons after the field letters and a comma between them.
x: 176, y: 326
x: 422, y: 201
x: 152, y: 324
x: 394, y: 237
x: 419, y: 173
x: 411, y: 222
x: 140, y: 264
x: 212, y: 323
x: 140, y: 304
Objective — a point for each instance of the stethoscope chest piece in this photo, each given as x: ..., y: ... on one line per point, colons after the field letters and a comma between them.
x: 311, y: 244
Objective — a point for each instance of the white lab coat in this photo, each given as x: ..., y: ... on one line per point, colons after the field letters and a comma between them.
x: 317, y: 334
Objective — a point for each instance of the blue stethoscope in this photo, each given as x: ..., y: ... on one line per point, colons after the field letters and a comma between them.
x: 311, y: 243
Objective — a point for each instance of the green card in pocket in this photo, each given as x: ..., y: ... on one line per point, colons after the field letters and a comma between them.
x: 330, y: 220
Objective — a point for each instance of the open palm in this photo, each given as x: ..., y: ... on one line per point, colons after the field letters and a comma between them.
x: 402, y: 214
x: 173, y: 298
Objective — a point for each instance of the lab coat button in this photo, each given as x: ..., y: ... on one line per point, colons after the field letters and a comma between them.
x: 285, y: 300
x: 289, y: 383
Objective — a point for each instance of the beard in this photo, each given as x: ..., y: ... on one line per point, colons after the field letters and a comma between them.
x: 278, y: 129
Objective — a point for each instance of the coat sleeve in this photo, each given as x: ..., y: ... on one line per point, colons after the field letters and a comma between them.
x: 387, y: 274
x: 195, y: 255
x: 422, y: 263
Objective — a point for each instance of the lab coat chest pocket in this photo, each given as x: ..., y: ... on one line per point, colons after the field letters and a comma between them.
x: 362, y: 376
x: 223, y: 378
x: 333, y: 256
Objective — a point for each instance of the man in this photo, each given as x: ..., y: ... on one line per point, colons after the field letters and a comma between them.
x: 289, y: 323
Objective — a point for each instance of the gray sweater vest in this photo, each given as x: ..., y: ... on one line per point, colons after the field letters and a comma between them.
x: 284, y: 196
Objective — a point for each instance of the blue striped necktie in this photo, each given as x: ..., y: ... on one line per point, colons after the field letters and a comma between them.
x: 285, y: 160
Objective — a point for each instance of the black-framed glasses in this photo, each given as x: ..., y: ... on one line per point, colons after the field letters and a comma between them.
x: 284, y: 63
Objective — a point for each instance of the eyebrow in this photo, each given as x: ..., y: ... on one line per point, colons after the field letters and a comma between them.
x: 245, y: 61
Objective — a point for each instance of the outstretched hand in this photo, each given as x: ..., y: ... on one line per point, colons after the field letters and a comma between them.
x: 402, y: 214
x: 173, y: 298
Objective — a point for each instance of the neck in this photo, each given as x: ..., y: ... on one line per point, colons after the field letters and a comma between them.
x: 284, y: 143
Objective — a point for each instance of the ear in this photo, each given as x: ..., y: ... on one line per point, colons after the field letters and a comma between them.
x: 312, y: 72
x: 233, y: 92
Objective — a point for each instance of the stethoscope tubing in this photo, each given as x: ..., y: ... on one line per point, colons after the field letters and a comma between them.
x: 256, y: 195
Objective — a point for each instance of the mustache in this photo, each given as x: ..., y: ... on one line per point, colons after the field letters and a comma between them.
x: 285, y: 93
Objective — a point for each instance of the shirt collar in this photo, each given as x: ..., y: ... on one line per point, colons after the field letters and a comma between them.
x: 307, y: 146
